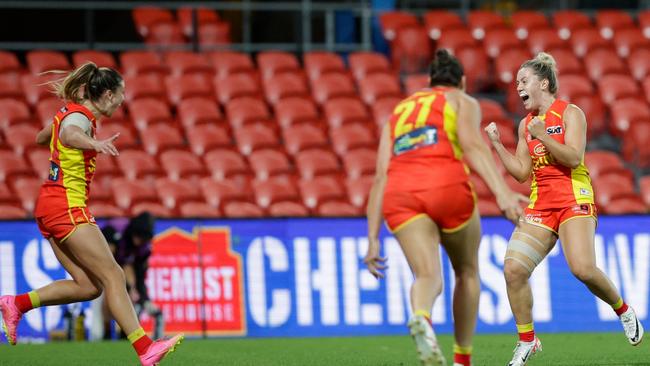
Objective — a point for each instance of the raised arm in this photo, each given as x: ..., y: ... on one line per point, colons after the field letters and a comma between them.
x: 570, y: 152
x: 518, y: 165
x: 74, y: 134
x: 44, y: 136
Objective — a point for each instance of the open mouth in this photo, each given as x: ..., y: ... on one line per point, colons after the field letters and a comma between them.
x: 524, y: 96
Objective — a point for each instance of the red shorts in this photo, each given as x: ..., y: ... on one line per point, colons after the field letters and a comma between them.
x: 61, y: 223
x: 552, y: 218
x: 450, y: 206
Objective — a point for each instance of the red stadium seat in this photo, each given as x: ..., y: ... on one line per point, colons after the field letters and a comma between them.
x: 137, y: 164
x: 572, y: 86
x: 145, y: 112
x: 366, y: 63
x: 345, y: 110
x: 382, y: 110
x: 12, y: 165
x: 626, y: 112
x: 154, y: 208
x: 127, y: 138
x: 415, y: 83
x: 10, y: 212
x: 595, y: 112
x: 214, y: 34
x: 337, y: 209
x: 636, y: 144
x: 101, y: 188
x: 332, y: 85
x: 242, y: 209
x: 568, y: 21
x: 275, y: 62
x: 602, y: 162
x: 303, y: 137
x: 545, y: 40
x: 10, y: 87
x: 377, y: 86
x: 205, y: 137
x: 482, y: 21
x: 319, y: 190
x: 437, y: 21
x: 491, y: 110
x: 644, y: 188
x: 105, y: 165
x: 287, y: 209
x: 224, y: 163
x: 351, y: 137
x: 100, y: 58
x: 639, y: 63
x: 255, y: 137
x: 567, y: 62
x: 39, y: 160
x: 625, y: 206
x: 184, y: 62
x: 480, y: 187
x: 610, y: 21
x: 22, y: 138
x: 219, y: 193
x: 9, y: 63
x: 144, y: 86
x: 499, y: 40
x: 188, y: 86
x: 197, y: 110
x: 173, y: 192
x: 128, y: 192
x: 46, y: 109
x: 318, y: 63
x: 285, y: 85
x: 27, y: 190
x: 36, y: 87
x: 523, y: 21
x: 614, y: 87
x: 236, y: 86
x: 105, y: 210
x: 230, y: 62
x: 41, y: 61
x: 628, y: 40
x: 242, y: 111
x: 392, y: 21
x: 585, y: 40
x: 203, y: 16
x: 611, y: 186
x: 269, y: 163
x: 507, y: 66
x: 645, y: 84
x: 14, y: 112
x: 144, y: 17
x: 292, y: 111
x: 167, y: 34
x: 601, y: 62
x: 488, y: 207
x: 180, y: 164
x: 315, y: 162
x: 359, y: 189
x: 477, y: 67
x: 360, y: 162
x: 198, y: 210
x: 456, y: 39
x: 141, y: 62
x: 7, y: 196
x: 273, y: 191
x: 411, y: 50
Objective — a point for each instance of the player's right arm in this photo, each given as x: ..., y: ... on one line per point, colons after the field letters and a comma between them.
x: 518, y: 165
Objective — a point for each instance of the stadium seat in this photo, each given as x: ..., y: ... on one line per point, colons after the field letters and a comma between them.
x: 39, y: 160
x: 219, y: 193
x: 415, y: 83
x: 141, y: 62
x: 477, y: 67
x: 188, y: 86
x: 185, y: 62
x: 366, y: 63
x: 318, y: 63
x: 319, y: 190
x: 358, y: 163
x: 303, y: 137
x: 205, y: 137
x: 181, y: 164
x: 41, y: 61
x: 275, y: 62
x: 382, y: 110
x: 626, y: 112
x: 9, y: 63
x: 377, y: 86
x: 455, y: 39
x: 174, y: 192
x: 625, y: 206
x: 523, y: 21
x: 242, y: 209
x: 639, y: 63
x: 358, y: 190
x: 203, y: 16
x: 255, y: 137
x: 491, y: 110
x: 198, y: 110
x: 287, y: 209
x: 36, y: 87
x: 332, y: 85
x: 411, y: 50
x: 100, y: 189
x: 12, y: 166
x: 7, y: 196
x: 572, y: 86
x: 165, y: 35
x: 293, y: 111
x: 345, y: 110
x: 643, y: 18
x: 230, y: 62
x: 225, y: 163
x: 392, y: 21
x: 105, y: 210
x: 482, y: 21
x: 488, y: 207
x: 144, y: 86
x: 100, y: 58
x: 603, y: 162
x: 127, y: 138
x: 144, y: 17
x: 11, y: 212
x: 198, y: 210
x: 154, y: 208
x: 137, y: 164
x: 595, y: 112
x: 145, y: 112
x: 242, y: 111
x: 614, y: 87
x: 10, y: 87
x: 351, y: 137
x: 315, y: 162
x: 636, y: 144
x: 236, y: 86
x: 27, y: 190
x: 267, y: 164
x: 610, y: 21
x: 22, y: 138
x: 545, y: 40
x: 611, y: 186
x: 628, y: 40
x: 499, y: 40
x: 273, y: 191
x: 507, y: 65
x: 480, y: 187
x: 437, y: 21
x: 285, y: 85
x: 644, y: 188
x: 337, y: 209
x: 14, y: 112
x: 214, y: 34
x: 645, y: 84
x: 601, y: 62
x: 105, y: 165
x: 128, y: 192
x: 118, y: 116
x: 566, y: 62
x: 585, y: 40
x: 568, y: 21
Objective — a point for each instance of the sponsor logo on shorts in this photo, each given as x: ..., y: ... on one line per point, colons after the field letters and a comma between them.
x: 581, y: 209
x: 533, y: 218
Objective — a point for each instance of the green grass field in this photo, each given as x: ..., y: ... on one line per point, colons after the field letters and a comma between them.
x: 559, y: 349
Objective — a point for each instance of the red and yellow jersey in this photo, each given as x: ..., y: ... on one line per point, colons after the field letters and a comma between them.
x: 426, y: 152
x: 555, y: 185
x: 71, y: 170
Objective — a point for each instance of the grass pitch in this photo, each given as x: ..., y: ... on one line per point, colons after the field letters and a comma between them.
x: 559, y: 349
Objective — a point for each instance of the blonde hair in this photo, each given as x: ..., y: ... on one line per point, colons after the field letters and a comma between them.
x: 94, y: 80
x: 545, y: 67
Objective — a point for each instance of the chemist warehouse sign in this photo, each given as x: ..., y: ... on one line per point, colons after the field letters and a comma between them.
x: 305, y: 277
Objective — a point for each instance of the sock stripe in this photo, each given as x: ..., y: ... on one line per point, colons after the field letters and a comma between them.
x: 524, y: 328
x: 618, y: 304
x: 467, y: 350
x: 35, y: 299
x: 137, y: 334
x: 424, y: 313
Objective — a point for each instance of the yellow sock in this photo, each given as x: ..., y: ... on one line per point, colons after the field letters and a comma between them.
x: 34, y: 298
x: 424, y: 313
x: 462, y: 350
x: 618, y: 304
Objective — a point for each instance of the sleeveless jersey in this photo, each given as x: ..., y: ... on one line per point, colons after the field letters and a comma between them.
x: 426, y: 152
x: 71, y: 170
x: 555, y: 185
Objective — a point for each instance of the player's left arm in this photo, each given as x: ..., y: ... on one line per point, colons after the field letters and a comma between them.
x: 569, y: 153
x: 44, y: 136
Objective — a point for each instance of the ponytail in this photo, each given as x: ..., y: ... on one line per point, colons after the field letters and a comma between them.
x: 94, y: 81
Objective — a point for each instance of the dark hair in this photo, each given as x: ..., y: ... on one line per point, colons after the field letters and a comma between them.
x: 141, y: 226
x: 95, y: 80
x: 445, y: 69
x: 111, y: 234
x: 544, y: 66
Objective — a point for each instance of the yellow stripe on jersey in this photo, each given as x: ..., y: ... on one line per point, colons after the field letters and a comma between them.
x: 451, y: 128
x: 557, y: 114
x: 581, y: 184
x: 533, y: 192
x: 74, y: 175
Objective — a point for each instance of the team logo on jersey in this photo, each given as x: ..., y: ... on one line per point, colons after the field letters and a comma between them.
x: 585, y: 192
x: 424, y: 136
x: 554, y: 130
x: 539, y: 149
x: 54, y: 172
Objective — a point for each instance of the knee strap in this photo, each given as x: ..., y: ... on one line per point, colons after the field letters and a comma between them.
x: 525, y: 250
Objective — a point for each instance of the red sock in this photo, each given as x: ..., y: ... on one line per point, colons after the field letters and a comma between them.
x: 140, y: 341
x: 465, y: 360
x: 621, y: 310
x: 23, y: 303
x: 527, y: 336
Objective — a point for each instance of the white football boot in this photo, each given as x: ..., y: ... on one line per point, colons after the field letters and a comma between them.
x: 632, y: 326
x: 426, y: 342
x: 524, y: 351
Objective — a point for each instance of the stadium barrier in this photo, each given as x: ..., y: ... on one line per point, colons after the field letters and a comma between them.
x: 305, y: 277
